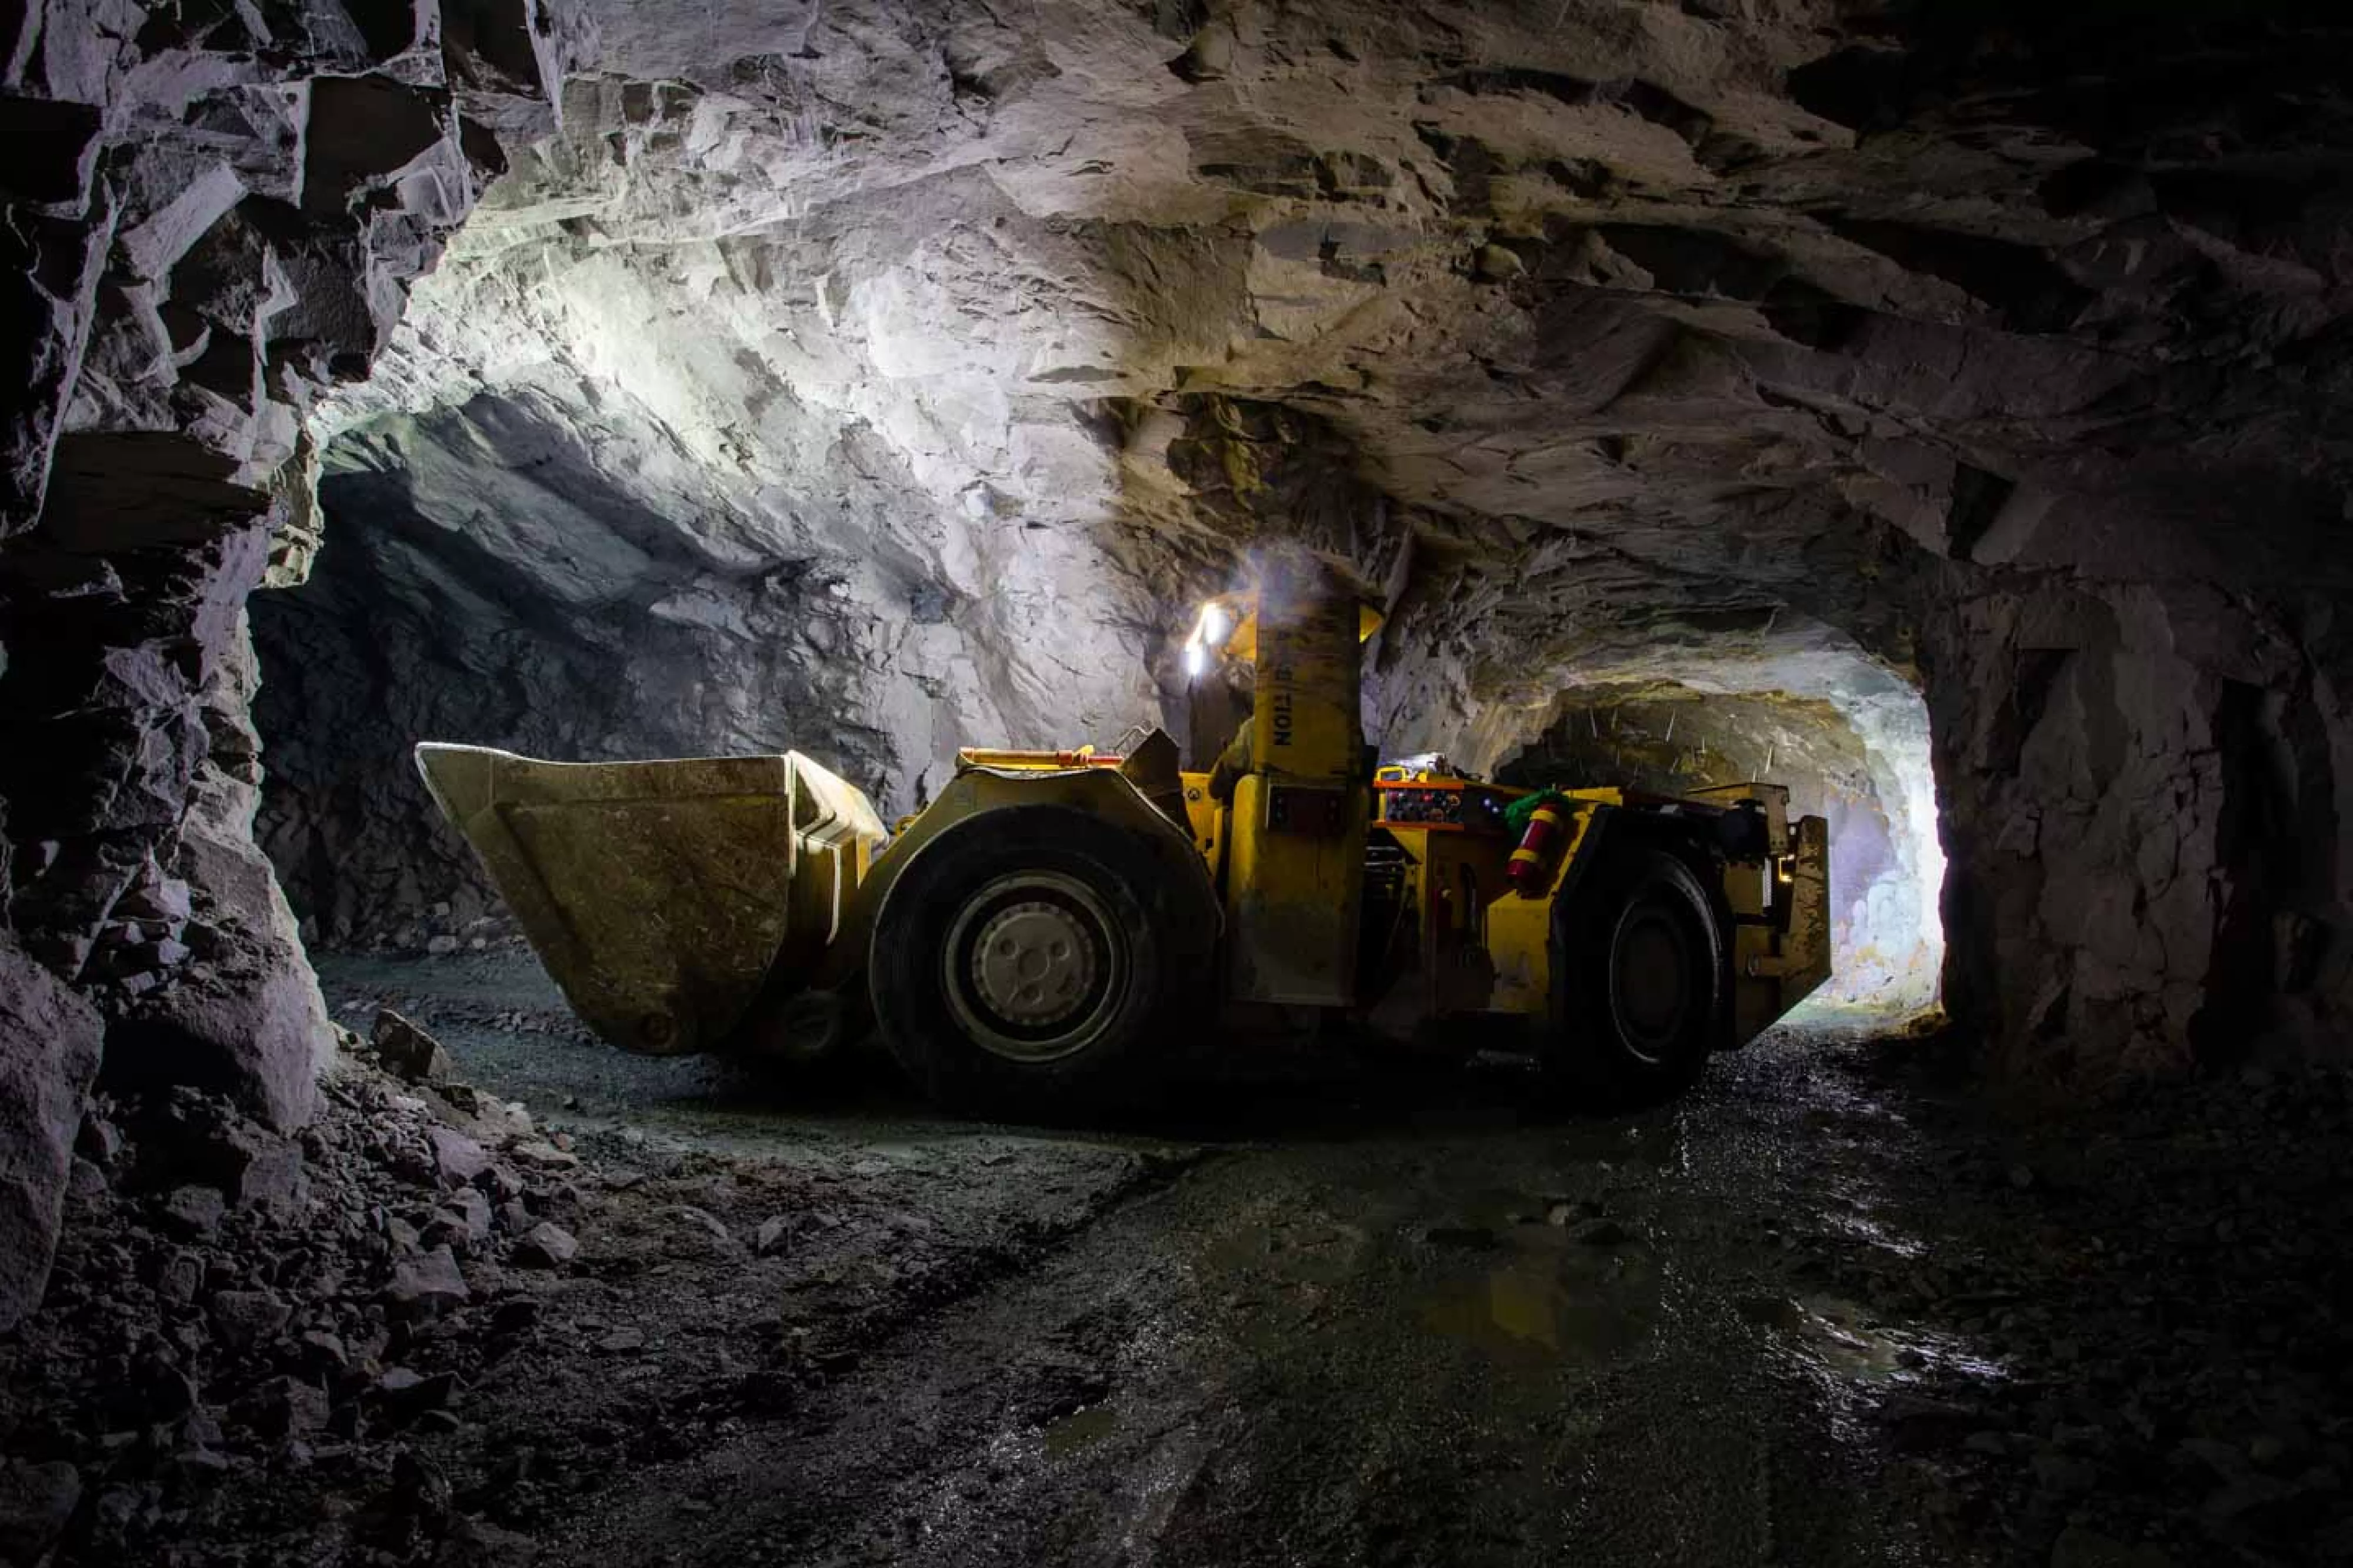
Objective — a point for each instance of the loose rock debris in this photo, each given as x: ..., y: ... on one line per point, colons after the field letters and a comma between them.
x: 2153, y: 1300
x: 420, y: 1330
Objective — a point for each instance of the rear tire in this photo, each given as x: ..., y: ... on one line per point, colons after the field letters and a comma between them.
x: 1034, y: 963
x: 1639, y: 969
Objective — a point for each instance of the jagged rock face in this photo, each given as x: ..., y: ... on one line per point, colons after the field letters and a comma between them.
x: 212, y: 214
x: 1772, y: 347
x: 49, y: 1051
x: 2151, y: 781
x: 214, y: 211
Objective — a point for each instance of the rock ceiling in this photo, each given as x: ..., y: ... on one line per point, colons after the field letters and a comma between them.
x: 1632, y: 313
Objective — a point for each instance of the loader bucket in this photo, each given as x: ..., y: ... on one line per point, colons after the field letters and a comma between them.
x: 661, y: 895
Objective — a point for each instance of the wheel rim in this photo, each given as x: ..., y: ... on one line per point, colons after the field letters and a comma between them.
x: 1033, y: 967
x: 1650, y: 981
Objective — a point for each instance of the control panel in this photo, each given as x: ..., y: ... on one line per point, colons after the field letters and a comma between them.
x: 1440, y: 803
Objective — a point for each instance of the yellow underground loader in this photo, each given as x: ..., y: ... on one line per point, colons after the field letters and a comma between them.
x: 1058, y: 929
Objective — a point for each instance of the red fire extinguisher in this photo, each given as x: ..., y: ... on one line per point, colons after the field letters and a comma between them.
x: 1530, y: 871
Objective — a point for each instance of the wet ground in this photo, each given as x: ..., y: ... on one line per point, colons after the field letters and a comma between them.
x: 1818, y: 1311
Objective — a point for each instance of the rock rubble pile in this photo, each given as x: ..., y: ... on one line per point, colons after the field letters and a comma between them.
x: 430, y: 1325
x: 240, y: 1306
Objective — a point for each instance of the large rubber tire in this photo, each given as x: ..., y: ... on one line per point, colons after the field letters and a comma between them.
x: 1036, y: 964
x: 1641, y: 963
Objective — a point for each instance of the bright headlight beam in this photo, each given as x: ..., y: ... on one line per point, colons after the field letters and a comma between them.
x: 1197, y: 659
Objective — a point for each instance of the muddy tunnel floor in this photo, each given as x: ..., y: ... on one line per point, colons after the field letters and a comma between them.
x: 1820, y: 1311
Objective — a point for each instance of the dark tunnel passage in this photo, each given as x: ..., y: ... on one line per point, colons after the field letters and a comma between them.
x: 1936, y: 410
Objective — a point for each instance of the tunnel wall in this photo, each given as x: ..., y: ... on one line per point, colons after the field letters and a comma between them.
x: 212, y: 215
x: 494, y: 578
x: 2146, y: 792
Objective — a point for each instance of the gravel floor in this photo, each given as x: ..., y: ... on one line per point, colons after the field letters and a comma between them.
x: 1824, y: 1309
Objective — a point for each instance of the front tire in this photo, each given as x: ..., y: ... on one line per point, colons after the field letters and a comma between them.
x: 1034, y: 962
x: 1641, y: 972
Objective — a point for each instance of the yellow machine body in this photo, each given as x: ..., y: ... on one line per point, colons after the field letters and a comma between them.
x: 1297, y: 824
x: 1139, y: 791
x: 685, y: 905
x: 1468, y: 942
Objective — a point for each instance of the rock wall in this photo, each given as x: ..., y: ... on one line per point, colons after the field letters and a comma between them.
x: 49, y: 1051
x: 213, y: 216
x: 530, y: 601
x: 2146, y: 794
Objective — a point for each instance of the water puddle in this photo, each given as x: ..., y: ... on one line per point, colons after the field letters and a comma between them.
x: 1080, y: 1430
x: 1541, y: 1296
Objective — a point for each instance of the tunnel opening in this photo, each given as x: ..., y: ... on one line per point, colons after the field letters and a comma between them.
x: 1859, y: 759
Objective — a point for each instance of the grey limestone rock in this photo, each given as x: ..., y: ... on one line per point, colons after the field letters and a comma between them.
x: 48, y: 1052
